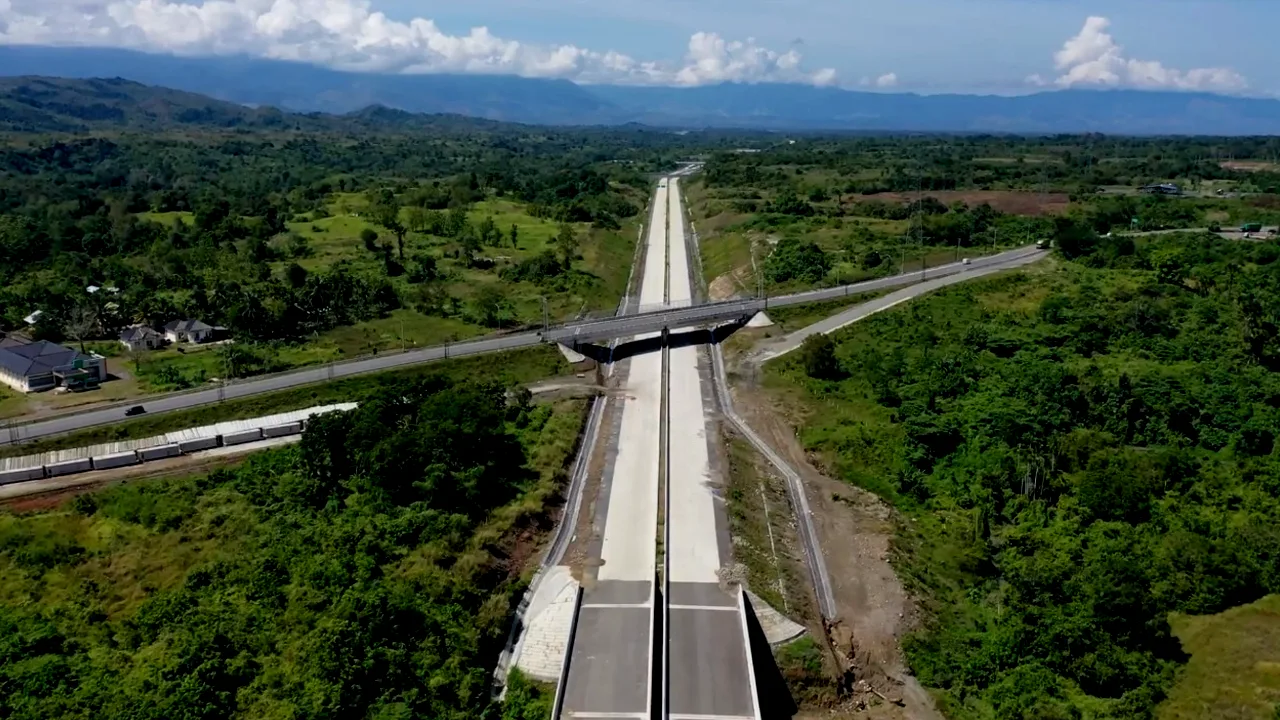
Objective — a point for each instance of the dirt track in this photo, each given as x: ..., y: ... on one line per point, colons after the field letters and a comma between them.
x: 855, y: 528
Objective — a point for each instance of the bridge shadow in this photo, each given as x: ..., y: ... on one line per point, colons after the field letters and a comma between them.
x: 772, y: 694
x: 702, y: 336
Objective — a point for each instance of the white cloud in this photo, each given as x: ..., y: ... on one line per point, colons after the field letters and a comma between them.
x: 887, y: 80
x: 349, y: 35
x: 1093, y: 57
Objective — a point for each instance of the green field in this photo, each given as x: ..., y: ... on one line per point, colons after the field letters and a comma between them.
x: 1234, y: 670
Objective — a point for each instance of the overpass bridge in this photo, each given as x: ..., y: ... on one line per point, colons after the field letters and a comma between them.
x: 649, y: 317
x: 655, y: 318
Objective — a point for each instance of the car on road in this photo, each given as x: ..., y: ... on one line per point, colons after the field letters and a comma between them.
x: 135, y: 410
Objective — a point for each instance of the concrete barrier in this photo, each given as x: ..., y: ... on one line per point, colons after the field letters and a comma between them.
x: 69, y: 467
x: 194, y: 444
x: 242, y: 437
x: 21, y: 475
x: 282, y: 430
x: 124, y: 459
x: 160, y: 452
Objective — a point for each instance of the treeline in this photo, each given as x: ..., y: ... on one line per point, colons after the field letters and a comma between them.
x: 367, y: 574
x: 869, y: 165
x: 1083, y: 454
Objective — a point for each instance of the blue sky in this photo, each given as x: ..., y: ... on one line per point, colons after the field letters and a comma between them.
x: 894, y: 45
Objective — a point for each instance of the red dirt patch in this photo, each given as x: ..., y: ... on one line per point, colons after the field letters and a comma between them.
x: 1013, y: 202
x: 1248, y: 165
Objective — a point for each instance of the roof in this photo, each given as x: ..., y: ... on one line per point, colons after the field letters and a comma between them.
x: 185, y: 326
x: 136, y: 333
x: 38, y: 358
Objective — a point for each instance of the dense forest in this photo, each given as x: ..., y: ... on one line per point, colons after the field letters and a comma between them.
x: 370, y: 572
x: 1084, y: 448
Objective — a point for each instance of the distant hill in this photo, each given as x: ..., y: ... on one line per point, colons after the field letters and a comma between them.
x: 306, y: 88
x: 37, y: 104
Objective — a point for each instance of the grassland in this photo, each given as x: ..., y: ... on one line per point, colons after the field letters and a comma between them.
x: 1234, y: 671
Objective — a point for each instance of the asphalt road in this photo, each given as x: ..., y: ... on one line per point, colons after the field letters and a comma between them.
x: 589, y: 331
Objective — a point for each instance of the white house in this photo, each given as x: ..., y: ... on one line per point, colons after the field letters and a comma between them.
x: 192, y: 331
x: 141, y: 337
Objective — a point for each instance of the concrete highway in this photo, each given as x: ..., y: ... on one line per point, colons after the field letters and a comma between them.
x: 572, y: 333
x: 709, y: 671
x: 611, y: 663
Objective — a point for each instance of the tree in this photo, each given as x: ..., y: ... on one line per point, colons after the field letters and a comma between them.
x: 515, y: 237
x: 567, y: 243
x: 81, y: 323
x: 417, y: 218
x: 370, y: 239
x: 488, y: 232
x: 818, y: 355
x: 296, y: 275
x: 387, y: 214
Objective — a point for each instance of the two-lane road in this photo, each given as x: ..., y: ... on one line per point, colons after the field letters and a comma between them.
x: 585, y: 331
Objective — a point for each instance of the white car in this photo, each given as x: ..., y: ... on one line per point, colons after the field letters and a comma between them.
x: 965, y: 261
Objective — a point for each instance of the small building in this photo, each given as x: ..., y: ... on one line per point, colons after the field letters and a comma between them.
x: 141, y: 337
x: 191, y: 331
x: 33, y: 318
x: 1162, y: 189
x: 28, y: 366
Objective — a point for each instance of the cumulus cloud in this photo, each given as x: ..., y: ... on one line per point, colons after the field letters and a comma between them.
x: 1093, y: 57
x: 349, y: 35
x: 887, y: 80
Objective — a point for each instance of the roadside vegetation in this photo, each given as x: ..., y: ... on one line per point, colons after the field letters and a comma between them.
x: 369, y: 572
x: 303, y: 248
x: 1082, y: 449
x: 825, y: 211
x: 509, y: 369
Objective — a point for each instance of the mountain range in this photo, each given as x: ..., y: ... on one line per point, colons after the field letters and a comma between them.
x: 303, y: 88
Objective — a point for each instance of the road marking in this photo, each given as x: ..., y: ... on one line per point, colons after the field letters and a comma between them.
x: 719, y: 608
x: 606, y: 715
x: 618, y: 606
x: 674, y: 716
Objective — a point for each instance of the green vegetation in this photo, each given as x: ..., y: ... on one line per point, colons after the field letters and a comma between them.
x: 370, y: 572
x: 310, y: 241
x: 1234, y: 670
x: 515, y: 367
x: 1083, y: 449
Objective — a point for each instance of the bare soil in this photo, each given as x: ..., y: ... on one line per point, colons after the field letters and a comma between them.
x: 855, y: 529
x: 1013, y: 202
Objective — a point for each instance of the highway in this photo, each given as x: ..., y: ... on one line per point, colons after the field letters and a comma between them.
x: 591, y: 331
x: 611, y: 663
x: 709, y: 671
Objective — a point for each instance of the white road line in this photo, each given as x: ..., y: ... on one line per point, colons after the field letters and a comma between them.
x: 617, y: 606
x: 709, y: 717
x: 717, y: 608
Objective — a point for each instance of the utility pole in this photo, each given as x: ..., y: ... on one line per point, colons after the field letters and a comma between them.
x: 546, y: 322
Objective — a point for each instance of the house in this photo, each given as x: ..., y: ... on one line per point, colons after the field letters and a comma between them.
x: 192, y: 331
x: 1162, y: 189
x: 28, y: 366
x: 141, y: 337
